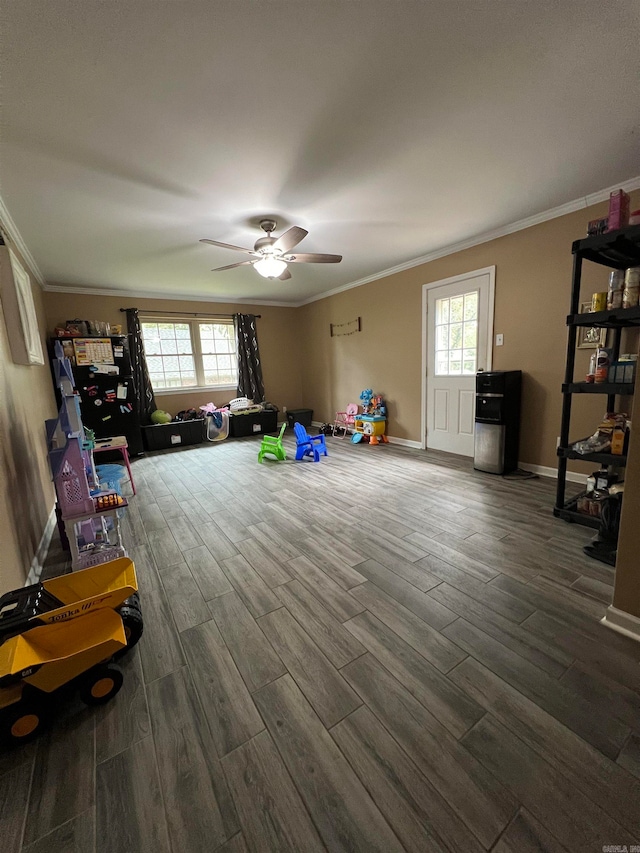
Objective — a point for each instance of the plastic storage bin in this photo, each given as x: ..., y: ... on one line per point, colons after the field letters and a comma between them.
x: 176, y: 434
x: 252, y: 424
x: 301, y: 416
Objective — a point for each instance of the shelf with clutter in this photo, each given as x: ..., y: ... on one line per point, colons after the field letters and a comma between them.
x: 88, y: 515
x: 613, y: 242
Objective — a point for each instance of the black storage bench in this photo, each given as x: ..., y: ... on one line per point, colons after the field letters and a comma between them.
x: 175, y: 434
x: 255, y: 423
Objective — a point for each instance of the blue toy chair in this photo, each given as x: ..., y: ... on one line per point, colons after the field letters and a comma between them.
x: 309, y: 445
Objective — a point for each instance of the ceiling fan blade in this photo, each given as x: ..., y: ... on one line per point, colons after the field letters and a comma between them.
x: 313, y: 258
x: 284, y: 275
x: 232, y: 266
x: 229, y: 246
x: 290, y: 239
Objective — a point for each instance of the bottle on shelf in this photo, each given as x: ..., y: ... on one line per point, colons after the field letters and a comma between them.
x: 616, y: 286
x: 603, y: 360
x: 631, y: 287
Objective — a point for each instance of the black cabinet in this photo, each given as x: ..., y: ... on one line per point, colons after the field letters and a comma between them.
x: 618, y: 250
x: 108, y: 401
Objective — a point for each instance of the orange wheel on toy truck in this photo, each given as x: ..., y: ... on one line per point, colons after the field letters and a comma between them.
x: 101, y: 684
x: 22, y: 722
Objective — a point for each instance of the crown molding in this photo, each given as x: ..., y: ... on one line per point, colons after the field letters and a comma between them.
x: 140, y: 294
x: 10, y: 230
x: 486, y: 237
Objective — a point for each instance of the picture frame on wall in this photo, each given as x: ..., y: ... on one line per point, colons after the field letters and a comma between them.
x: 19, y: 310
x: 590, y: 337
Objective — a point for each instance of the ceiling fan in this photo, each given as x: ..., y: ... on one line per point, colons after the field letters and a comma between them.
x: 273, y: 254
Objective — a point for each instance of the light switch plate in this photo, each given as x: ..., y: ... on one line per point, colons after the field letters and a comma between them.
x: 499, y: 340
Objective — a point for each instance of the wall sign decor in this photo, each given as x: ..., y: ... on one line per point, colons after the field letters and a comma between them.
x: 19, y: 310
x: 348, y: 328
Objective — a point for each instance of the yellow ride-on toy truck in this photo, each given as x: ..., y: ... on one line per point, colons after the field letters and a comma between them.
x: 64, y: 631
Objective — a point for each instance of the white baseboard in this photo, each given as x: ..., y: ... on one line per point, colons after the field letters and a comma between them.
x: 545, y: 471
x: 404, y: 442
x: 622, y: 622
x: 43, y: 547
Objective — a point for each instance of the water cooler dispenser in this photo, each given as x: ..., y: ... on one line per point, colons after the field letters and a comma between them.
x: 497, y: 428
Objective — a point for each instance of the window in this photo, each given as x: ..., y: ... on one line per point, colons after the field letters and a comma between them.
x: 457, y: 335
x: 196, y: 353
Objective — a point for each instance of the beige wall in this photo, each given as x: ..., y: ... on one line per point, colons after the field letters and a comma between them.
x: 278, y: 336
x: 533, y: 279
x: 26, y: 492
x: 304, y: 366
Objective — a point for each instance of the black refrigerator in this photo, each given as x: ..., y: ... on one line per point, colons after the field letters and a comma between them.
x: 103, y: 379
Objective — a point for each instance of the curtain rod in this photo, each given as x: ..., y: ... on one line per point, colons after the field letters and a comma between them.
x: 186, y: 314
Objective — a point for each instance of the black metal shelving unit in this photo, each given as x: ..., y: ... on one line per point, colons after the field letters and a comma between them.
x: 618, y: 250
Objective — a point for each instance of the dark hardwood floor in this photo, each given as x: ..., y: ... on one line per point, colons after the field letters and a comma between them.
x: 382, y: 651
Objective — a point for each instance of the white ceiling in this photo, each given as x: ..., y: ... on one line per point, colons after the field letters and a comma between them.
x: 130, y: 129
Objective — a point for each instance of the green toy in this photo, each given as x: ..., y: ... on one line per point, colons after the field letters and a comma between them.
x: 273, y: 445
x: 160, y: 417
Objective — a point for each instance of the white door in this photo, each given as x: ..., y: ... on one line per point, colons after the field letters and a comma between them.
x: 459, y: 332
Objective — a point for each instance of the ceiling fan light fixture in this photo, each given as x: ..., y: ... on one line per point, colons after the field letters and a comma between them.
x: 272, y: 255
x: 270, y: 267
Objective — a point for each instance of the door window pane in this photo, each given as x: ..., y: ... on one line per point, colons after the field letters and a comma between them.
x: 469, y: 361
x: 456, y: 335
x: 456, y: 312
x: 470, y: 334
x: 442, y: 311
x: 442, y: 363
x: 471, y: 306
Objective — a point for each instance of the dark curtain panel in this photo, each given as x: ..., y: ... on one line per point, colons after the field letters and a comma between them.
x: 145, y: 401
x: 250, y: 383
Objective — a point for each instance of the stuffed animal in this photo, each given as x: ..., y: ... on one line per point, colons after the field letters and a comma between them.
x: 365, y: 399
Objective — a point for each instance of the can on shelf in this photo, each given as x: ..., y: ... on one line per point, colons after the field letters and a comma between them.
x: 631, y: 288
x: 599, y: 301
x: 616, y: 286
